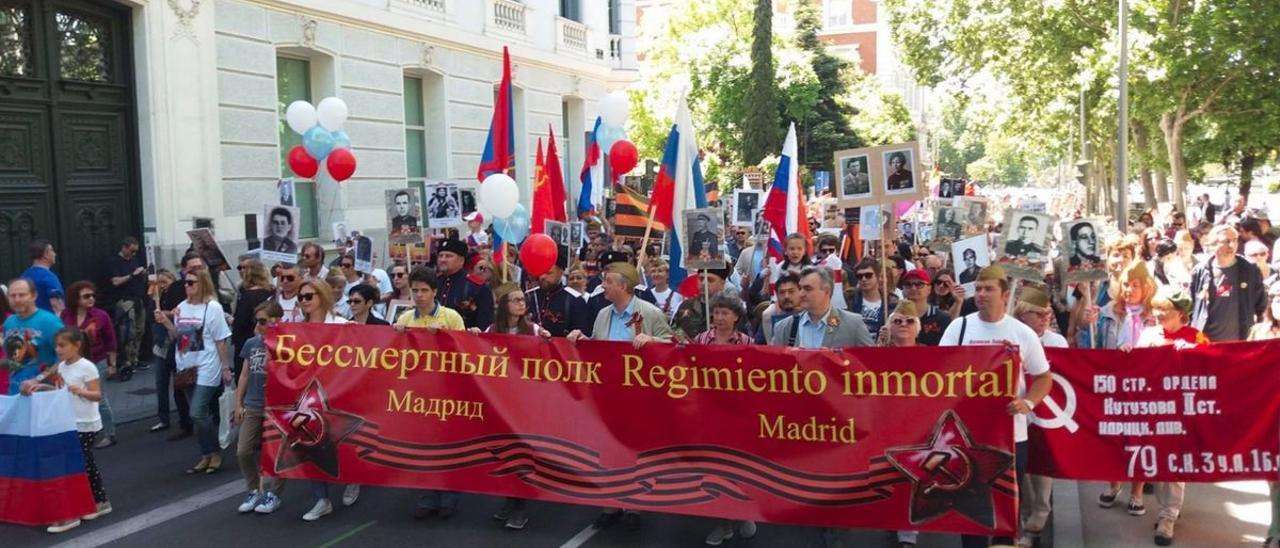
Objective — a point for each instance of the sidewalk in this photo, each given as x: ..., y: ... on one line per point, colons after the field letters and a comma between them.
x: 136, y: 399
x: 1214, y: 515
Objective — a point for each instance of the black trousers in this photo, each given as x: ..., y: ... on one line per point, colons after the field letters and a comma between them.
x: 164, y: 387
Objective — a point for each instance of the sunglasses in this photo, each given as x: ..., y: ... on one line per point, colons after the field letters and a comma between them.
x: 348, y: 265
x: 916, y: 285
x: 355, y: 301
x: 942, y: 282
x: 306, y: 297
x: 288, y: 278
x: 904, y: 321
x: 866, y: 275
x: 827, y: 250
x: 190, y: 283
x: 262, y: 321
x: 92, y: 296
x: 398, y: 274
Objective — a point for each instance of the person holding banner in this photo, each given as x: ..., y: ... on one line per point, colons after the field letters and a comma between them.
x: 628, y: 319
x: 250, y: 414
x: 1172, y: 311
x: 691, y: 317
x: 1034, y: 310
x: 460, y: 291
x: 904, y: 331
x: 1267, y: 330
x: 992, y: 325
x: 95, y: 323
x: 28, y: 334
x: 555, y: 306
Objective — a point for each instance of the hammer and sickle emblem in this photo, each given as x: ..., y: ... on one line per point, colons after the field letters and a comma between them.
x: 1061, y: 415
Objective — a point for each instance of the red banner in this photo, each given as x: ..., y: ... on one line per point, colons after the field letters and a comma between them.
x: 882, y: 438
x: 1202, y: 414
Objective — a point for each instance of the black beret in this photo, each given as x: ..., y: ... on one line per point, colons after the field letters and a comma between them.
x: 610, y: 257
x: 456, y: 247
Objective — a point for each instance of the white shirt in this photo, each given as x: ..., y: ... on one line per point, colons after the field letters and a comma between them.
x: 292, y: 313
x: 209, y: 319
x: 673, y: 306
x: 1053, y: 340
x: 384, y: 281
x: 79, y: 374
x: 1007, y: 330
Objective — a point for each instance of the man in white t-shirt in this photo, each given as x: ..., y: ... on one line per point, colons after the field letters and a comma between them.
x: 287, y: 293
x: 990, y: 325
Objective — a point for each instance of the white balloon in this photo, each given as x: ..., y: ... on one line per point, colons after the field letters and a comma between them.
x: 301, y: 116
x: 615, y: 108
x: 499, y: 195
x: 332, y: 113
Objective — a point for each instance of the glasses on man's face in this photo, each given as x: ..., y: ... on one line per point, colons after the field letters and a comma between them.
x: 914, y: 285
x: 866, y: 275
x: 288, y: 278
x: 305, y: 297
x: 348, y: 265
x: 398, y: 274
x: 900, y: 322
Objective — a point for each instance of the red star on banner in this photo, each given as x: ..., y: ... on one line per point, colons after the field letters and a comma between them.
x: 312, y: 431
x: 951, y: 473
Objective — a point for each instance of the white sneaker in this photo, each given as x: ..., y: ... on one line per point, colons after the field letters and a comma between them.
x: 322, y: 508
x: 63, y: 526
x: 722, y: 532
x: 250, y: 502
x: 270, y: 503
x: 102, y: 509
x: 350, y: 495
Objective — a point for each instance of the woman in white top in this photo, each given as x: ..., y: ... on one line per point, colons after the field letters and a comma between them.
x: 315, y: 298
x: 203, y: 343
x: 668, y: 299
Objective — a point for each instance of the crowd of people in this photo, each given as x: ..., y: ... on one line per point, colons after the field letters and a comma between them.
x: 1182, y: 279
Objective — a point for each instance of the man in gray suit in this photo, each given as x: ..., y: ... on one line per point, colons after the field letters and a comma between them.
x: 821, y: 325
x: 627, y: 319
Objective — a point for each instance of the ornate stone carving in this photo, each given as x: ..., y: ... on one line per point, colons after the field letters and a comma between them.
x: 309, y: 33
x: 575, y: 85
x: 428, y: 56
x: 186, y: 18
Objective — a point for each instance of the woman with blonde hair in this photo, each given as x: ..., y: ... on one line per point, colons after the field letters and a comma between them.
x: 203, y: 360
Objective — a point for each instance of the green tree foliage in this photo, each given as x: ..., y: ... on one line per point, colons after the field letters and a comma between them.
x: 760, y: 131
x: 826, y: 127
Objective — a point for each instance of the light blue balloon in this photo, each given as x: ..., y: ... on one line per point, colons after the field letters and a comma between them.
x: 341, y: 140
x: 515, y: 227
x: 608, y: 135
x: 318, y: 142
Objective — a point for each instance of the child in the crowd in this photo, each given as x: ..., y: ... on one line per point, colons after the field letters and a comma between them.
x: 251, y: 399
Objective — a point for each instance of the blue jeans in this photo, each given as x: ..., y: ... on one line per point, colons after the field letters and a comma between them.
x: 164, y: 369
x: 104, y: 406
x: 204, y: 413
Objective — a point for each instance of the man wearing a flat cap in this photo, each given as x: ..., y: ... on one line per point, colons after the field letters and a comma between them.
x: 465, y: 294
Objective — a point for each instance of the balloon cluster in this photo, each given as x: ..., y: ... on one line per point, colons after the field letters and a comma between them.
x: 499, y: 201
x: 611, y: 136
x: 323, y: 139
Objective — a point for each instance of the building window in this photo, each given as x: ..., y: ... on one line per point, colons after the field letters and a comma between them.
x: 615, y: 16
x: 839, y: 13
x: 293, y: 83
x: 415, y: 134
x: 571, y: 9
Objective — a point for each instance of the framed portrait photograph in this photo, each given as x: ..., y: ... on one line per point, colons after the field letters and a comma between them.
x: 363, y: 245
x: 760, y: 225
x: 1082, y: 251
x: 558, y: 231
x: 975, y: 213
x: 745, y: 205
x: 340, y: 232
x: 870, y: 222
x: 203, y: 242
x: 467, y: 198
x: 704, y: 234
x: 577, y: 234
x: 444, y: 205
x: 853, y: 177
x: 285, y: 190
x: 898, y: 175
x: 404, y: 216
x: 969, y: 256
x: 950, y: 187
x: 947, y: 221
x: 1026, y: 235
x: 278, y: 232
x: 396, y: 308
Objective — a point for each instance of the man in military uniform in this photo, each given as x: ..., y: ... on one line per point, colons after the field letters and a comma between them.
x: 704, y: 240
x: 553, y: 306
x: 1023, y: 246
x: 691, y: 318
x: 460, y: 291
x: 597, y: 301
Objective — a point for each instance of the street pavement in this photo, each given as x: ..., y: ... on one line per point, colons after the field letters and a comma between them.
x: 156, y: 504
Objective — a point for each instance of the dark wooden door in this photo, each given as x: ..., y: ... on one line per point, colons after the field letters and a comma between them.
x: 67, y: 140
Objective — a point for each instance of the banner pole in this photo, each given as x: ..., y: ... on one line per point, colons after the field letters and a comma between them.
x: 706, y: 299
x: 644, y: 242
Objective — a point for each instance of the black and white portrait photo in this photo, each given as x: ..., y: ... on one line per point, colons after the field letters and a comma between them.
x: 575, y: 234
x: 403, y: 214
x: 1080, y: 247
x: 285, y: 188
x: 898, y: 178
x: 1025, y: 234
x: 975, y: 215
x: 946, y: 222
x: 745, y: 205
x: 854, y: 177
x: 558, y: 231
x: 444, y: 205
x: 948, y: 188
x: 761, y: 225
x: 203, y: 242
x: 467, y: 197
x: 704, y: 232
x: 280, y: 225
x: 969, y: 256
x: 340, y: 233
x: 363, y: 245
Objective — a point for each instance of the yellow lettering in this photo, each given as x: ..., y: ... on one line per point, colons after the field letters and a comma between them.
x: 284, y: 352
x: 631, y: 366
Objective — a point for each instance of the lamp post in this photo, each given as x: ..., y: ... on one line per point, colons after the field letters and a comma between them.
x: 1122, y: 143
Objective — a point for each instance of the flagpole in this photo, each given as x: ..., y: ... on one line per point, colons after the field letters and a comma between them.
x: 706, y: 300
x: 644, y: 242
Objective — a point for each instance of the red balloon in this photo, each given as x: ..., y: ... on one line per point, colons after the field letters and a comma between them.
x: 622, y: 157
x: 538, y: 254
x: 342, y: 164
x: 302, y: 163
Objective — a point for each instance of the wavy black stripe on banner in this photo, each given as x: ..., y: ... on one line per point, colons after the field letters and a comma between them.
x: 468, y: 450
x: 826, y: 478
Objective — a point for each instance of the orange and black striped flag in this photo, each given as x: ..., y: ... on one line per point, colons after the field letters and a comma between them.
x: 632, y: 214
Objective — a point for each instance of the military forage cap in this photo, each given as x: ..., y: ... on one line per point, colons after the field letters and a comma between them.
x: 905, y: 308
x: 993, y: 273
x: 456, y: 247
x: 628, y: 272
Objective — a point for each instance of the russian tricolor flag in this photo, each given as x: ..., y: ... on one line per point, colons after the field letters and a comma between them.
x: 500, y: 147
x: 42, y: 475
x: 784, y: 207
x: 679, y: 186
x: 592, y: 176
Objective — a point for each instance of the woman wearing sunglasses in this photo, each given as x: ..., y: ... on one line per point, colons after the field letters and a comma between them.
x: 904, y: 330
x: 399, y: 289
x: 361, y: 299
x: 201, y: 336
x: 82, y: 311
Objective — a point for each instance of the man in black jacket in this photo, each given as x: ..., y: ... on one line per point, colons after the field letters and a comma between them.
x: 1227, y: 291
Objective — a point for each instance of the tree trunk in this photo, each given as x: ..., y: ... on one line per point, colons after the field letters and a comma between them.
x: 1162, y: 186
x: 1172, y: 128
x: 1142, y: 140
x: 1246, y: 172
